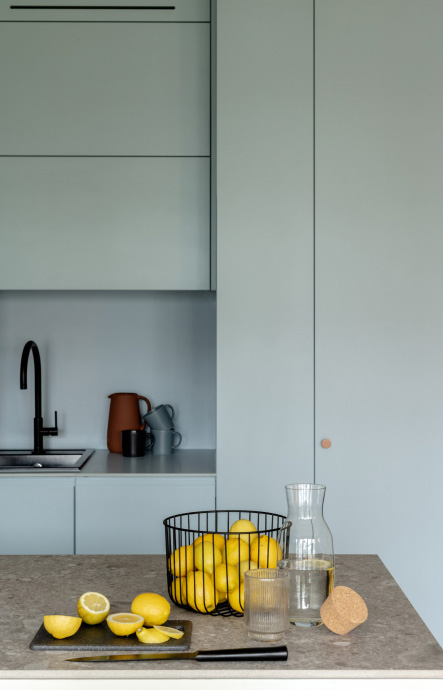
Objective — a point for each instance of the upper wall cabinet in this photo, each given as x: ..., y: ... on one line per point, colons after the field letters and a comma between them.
x: 105, y: 145
x: 104, y: 89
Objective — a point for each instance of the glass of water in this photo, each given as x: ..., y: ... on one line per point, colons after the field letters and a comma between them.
x: 266, y: 614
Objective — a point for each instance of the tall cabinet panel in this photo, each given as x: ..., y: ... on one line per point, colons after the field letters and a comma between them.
x: 264, y: 250
x: 379, y: 285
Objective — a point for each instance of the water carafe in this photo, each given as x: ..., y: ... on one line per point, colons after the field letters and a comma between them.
x: 308, y: 553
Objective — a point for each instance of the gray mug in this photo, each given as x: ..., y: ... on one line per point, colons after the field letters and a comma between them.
x: 160, y: 417
x: 164, y: 441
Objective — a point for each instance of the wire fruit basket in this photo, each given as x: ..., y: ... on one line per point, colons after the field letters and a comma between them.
x: 208, y: 552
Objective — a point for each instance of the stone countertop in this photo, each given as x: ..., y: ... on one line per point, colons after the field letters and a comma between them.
x: 393, y: 643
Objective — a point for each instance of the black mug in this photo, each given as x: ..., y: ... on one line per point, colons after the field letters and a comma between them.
x: 134, y: 443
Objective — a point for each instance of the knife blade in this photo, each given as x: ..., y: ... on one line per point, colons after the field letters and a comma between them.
x: 278, y: 653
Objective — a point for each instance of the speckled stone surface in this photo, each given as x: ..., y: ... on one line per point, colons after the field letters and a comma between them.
x: 393, y: 643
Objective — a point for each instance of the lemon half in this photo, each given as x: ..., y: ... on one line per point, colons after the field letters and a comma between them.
x: 124, y: 623
x: 93, y: 607
x: 61, y: 626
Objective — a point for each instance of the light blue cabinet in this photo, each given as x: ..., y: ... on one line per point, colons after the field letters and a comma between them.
x: 125, y: 515
x: 36, y: 515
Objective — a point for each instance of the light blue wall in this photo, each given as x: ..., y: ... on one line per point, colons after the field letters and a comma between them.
x: 157, y: 344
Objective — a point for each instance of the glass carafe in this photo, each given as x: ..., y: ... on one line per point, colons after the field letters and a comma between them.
x: 308, y: 553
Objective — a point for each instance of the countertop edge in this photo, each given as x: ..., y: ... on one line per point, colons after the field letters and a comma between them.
x: 200, y: 673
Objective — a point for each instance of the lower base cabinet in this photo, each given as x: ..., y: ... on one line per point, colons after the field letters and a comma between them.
x: 94, y: 515
x: 36, y: 515
x: 125, y: 515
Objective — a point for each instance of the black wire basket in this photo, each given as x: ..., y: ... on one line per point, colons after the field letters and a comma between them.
x: 206, y: 561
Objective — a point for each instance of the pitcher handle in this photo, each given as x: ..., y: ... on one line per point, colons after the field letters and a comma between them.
x: 142, y: 397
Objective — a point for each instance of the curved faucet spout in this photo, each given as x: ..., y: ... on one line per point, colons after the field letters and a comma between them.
x: 31, y: 345
x: 39, y: 429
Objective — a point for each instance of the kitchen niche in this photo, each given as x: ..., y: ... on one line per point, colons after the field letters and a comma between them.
x: 93, y: 343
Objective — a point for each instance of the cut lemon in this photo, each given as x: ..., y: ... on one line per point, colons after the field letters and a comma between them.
x: 61, y: 626
x: 154, y: 608
x: 312, y: 564
x: 93, y: 607
x: 124, y: 623
x: 151, y: 636
x: 170, y: 632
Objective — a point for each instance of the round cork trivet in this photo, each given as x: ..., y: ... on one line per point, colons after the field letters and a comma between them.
x: 343, y: 610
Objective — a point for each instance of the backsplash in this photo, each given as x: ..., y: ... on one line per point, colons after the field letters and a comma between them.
x: 93, y: 343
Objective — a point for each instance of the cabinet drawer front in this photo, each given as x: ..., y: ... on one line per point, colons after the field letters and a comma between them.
x: 118, y: 516
x: 104, y: 223
x: 36, y: 516
x: 104, y: 89
x: 105, y: 11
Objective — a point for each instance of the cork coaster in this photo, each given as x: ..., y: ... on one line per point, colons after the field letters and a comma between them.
x: 343, y: 610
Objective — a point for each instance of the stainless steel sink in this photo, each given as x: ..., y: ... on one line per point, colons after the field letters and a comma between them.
x: 49, y: 461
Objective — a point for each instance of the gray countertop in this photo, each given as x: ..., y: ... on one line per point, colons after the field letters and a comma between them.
x: 393, y: 643
x: 181, y: 463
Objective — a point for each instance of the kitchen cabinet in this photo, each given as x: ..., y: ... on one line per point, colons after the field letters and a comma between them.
x: 36, y: 515
x: 373, y: 380
x: 118, y: 515
x: 105, y: 147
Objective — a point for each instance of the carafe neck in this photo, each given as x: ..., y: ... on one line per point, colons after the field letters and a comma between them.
x: 305, y: 501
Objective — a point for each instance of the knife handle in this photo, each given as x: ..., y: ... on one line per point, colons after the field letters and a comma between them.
x: 247, y: 654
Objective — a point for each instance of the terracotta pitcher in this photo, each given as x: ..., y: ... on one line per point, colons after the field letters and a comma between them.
x: 124, y: 413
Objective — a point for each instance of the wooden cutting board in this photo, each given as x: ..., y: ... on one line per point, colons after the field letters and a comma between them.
x: 99, y: 638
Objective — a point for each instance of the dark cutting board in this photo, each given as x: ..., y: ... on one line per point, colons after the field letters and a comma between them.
x: 99, y: 638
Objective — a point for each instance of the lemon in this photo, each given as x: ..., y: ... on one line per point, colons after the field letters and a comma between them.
x: 222, y: 596
x: 170, y: 632
x: 151, y: 636
x: 178, y: 591
x: 214, y: 538
x: 61, y: 626
x: 244, y: 526
x: 124, y: 623
x: 226, y: 577
x: 154, y: 608
x: 236, y: 551
x: 181, y: 561
x: 312, y: 564
x: 266, y: 552
x: 246, y: 565
x: 237, y: 598
x: 202, y: 595
x: 93, y: 607
x: 207, y: 556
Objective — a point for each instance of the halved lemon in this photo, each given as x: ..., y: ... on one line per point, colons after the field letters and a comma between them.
x: 61, y: 626
x: 93, y: 607
x: 124, y: 623
x: 151, y: 636
x: 170, y: 632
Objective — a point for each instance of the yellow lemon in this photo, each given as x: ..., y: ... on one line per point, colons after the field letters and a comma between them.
x: 93, y: 607
x: 226, y: 577
x: 237, y: 598
x: 181, y: 561
x: 222, y: 596
x: 217, y: 539
x: 61, y: 626
x: 247, y: 528
x: 246, y: 565
x: 154, y: 608
x: 170, y: 632
x: 236, y: 551
x: 151, y: 636
x: 178, y: 591
x: 124, y: 623
x: 266, y: 552
x: 202, y: 595
x: 207, y: 557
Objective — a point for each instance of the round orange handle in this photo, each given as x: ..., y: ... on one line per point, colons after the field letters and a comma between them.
x: 325, y: 443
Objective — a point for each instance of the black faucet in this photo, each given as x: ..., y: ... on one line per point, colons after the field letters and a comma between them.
x: 39, y: 429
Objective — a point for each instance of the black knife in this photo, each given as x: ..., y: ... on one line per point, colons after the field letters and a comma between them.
x: 246, y: 654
